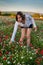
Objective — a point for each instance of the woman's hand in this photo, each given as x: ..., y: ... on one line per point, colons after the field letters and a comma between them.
x: 35, y: 29
x: 10, y: 42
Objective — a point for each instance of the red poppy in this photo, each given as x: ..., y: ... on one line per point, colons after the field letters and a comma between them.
x: 40, y: 59
x: 7, y: 52
x: 0, y: 40
x: 41, y: 52
x: 6, y: 37
x: 38, y: 62
x: 4, y: 58
x: 31, y: 45
x: 0, y: 51
x: 11, y: 57
x: 0, y: 54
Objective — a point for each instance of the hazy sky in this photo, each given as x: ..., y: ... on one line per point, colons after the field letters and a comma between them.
x: 22, y: 5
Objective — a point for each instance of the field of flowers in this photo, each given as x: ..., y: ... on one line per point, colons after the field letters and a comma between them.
x: 17, y: 54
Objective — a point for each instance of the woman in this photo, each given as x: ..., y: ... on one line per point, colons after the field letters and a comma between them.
x: 26, y: 22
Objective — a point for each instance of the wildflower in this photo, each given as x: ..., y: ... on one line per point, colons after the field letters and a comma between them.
x: 0, y: 54
x: 4, y: 58
x: 30, y: 45
x: 8, y: 62
x: 7, y: 52
x: 0, y: 40
x: 6, y: 37
x: 30, y: 57
x: 41, y: 52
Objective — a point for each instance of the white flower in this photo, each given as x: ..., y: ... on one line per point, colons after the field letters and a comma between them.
x: 14, y: 61
x: 42, y: 56
x: 29, y: 51
x: 8, y: 62
x: 7, y: 58
x: 35, y: 49
x: 23, y: 62
x: 18, y: 63
x: 22, y: 57
x: 17, y: 42
x: 24, y: 46
x: 33, y: 53
x: 30, y: 57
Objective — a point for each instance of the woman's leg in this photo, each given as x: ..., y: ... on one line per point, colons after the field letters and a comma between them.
x: 22, y: 35
x: 28, y: 36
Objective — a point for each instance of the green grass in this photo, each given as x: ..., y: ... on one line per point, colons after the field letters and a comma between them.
x: 16, y: 54
x: 37, y: 37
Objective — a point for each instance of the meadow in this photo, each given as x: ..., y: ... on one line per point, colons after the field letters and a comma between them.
x: 17, y: 54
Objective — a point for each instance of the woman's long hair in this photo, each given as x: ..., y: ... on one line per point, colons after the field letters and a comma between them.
x: 23, y: 17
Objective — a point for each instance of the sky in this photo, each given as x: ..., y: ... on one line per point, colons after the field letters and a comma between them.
x: 22, y: 5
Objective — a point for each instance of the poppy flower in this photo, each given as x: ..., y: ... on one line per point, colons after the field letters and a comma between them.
x: 0, y: 40
x: 6, y: 37
x: 11, y: 57
x: 31, y: 45
x: 40, y: 59
x: 38, y: 62
x: 4, y: 58
x: 7, y: 52
x: 0, y: 54
x: 0, y: 51
x: 41, y: 52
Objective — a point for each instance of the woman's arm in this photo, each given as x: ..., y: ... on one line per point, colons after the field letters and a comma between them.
x: 34, y: 25
x: 14, y: 31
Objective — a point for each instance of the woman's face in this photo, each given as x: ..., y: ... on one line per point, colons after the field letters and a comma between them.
x: 19, y: 18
